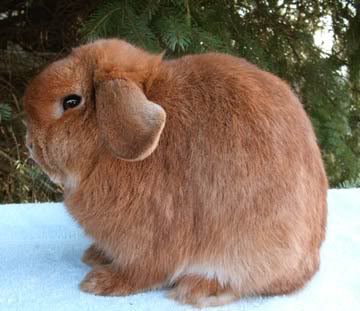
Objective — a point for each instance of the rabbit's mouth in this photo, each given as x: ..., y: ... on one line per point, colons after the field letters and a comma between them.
x: 56, y: 175
x: 45, y: 167
x: 37, y: 152
x: 43, y: 155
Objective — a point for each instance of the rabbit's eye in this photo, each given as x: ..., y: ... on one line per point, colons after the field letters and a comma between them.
x: 71, y: 101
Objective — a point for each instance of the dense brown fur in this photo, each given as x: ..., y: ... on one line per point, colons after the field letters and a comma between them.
x: 232, y: 200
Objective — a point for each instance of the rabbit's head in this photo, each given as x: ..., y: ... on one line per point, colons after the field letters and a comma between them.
x: 92, y: 104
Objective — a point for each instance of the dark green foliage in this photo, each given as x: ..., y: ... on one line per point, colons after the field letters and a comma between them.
x: 159, y: 25
x: 278, y: 36
x: 5, y: 112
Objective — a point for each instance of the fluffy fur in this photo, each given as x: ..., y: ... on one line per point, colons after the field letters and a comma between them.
x: 201, y: 174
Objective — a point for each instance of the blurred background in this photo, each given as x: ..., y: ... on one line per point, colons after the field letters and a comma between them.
x: 314, y: 45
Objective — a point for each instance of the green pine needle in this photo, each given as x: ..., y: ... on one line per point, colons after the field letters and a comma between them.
x: 5, y: 112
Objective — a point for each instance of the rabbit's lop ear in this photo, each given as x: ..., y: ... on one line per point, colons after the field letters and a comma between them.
x: 130, y: 124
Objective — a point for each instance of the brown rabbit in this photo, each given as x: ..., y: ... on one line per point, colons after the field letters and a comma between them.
x: 200, y: 174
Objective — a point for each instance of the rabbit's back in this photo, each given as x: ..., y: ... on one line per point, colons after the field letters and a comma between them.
x: 227, y: 113
x: 244, y: 153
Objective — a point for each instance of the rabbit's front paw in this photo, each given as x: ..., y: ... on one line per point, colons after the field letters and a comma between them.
x: 105, y: 281
x: 93, y: 256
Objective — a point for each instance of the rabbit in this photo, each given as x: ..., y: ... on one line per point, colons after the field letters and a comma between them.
x: 201, y: 175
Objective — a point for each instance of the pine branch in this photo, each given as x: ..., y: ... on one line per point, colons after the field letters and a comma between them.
x: 100, y: 18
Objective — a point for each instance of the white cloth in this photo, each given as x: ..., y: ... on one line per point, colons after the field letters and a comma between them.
x: 40, y: 266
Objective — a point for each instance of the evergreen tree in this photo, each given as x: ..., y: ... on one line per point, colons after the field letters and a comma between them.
x: 276, y: 35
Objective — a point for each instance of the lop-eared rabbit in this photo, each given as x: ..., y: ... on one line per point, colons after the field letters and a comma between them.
x: 200, y: 174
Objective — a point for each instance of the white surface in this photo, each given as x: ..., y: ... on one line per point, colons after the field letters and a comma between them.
x: 40, y: 267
